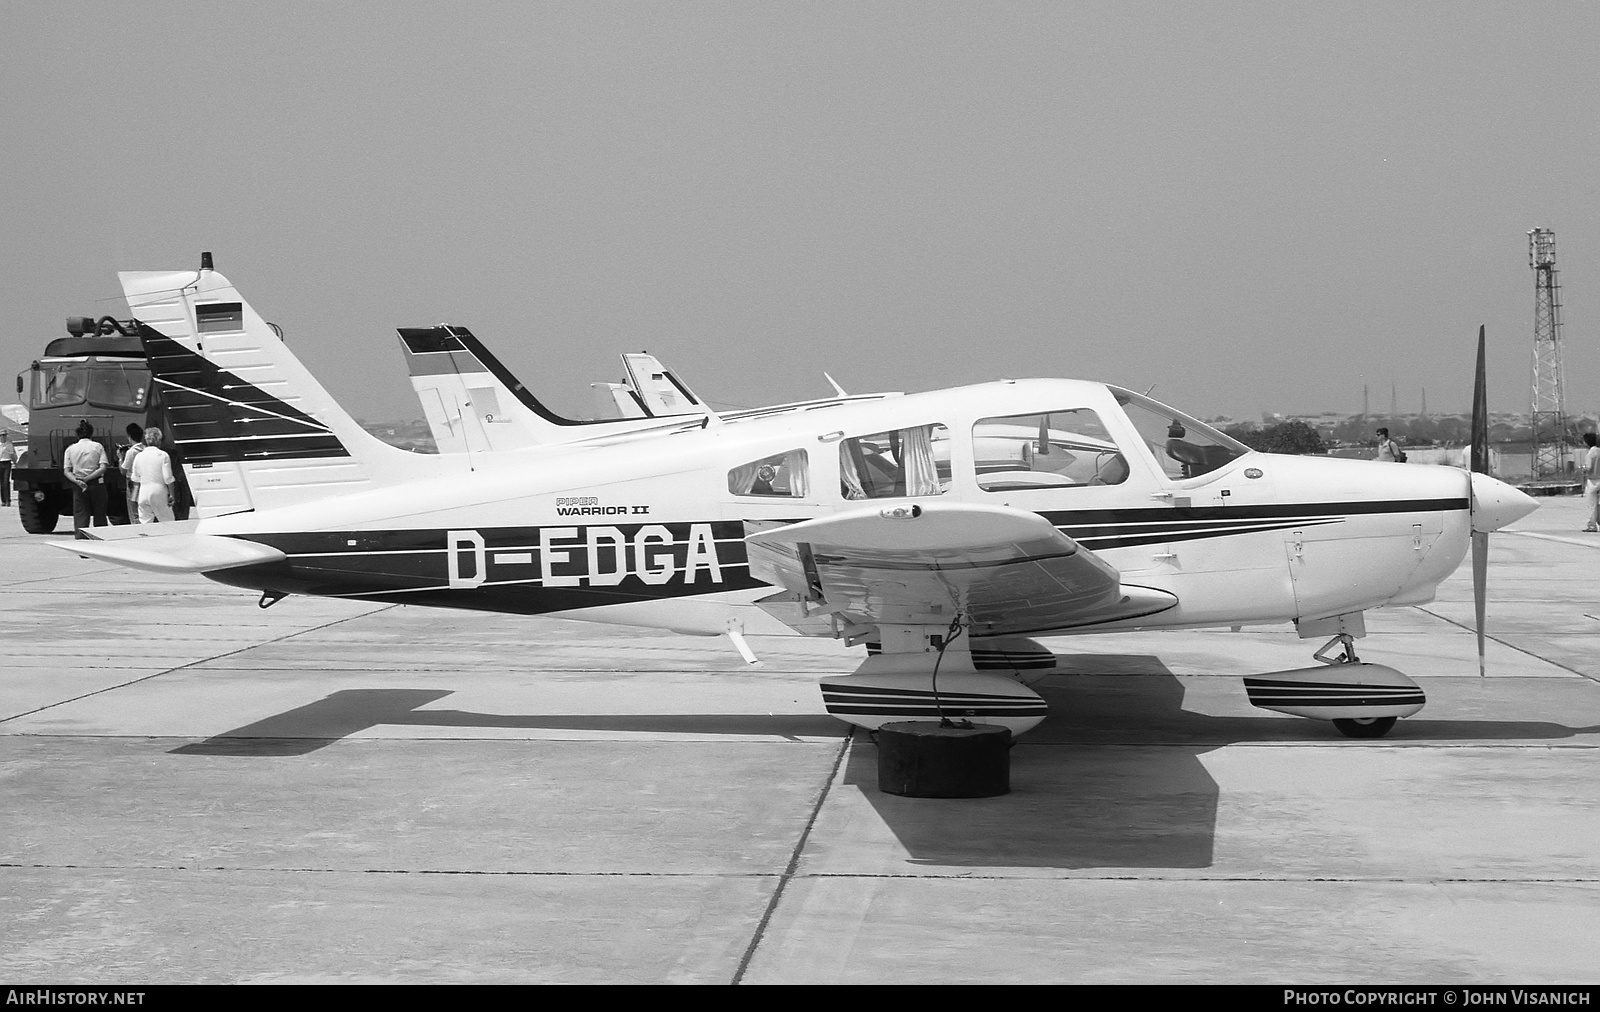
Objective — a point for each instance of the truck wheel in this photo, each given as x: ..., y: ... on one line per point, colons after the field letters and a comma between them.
x: 37, y: 517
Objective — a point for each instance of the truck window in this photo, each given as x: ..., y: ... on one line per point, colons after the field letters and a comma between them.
x: 118, y: 386
x: 58, y: 386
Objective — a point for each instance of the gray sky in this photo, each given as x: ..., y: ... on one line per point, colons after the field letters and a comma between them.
x: 1251, y: 206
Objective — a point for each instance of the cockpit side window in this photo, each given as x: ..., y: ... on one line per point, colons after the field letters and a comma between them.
x: 901, y: 462
x: 1183, y: 446
x: 1049, y: 450
x: 782, y: 476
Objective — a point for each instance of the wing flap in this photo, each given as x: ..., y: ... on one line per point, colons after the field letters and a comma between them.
x: 175, y: 553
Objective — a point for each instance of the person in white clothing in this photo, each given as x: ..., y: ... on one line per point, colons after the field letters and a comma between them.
x: 85, y: 463
x: 1591, y: 480
x: 152, y: 469
x: 130, y: 486
x: 8, y: 457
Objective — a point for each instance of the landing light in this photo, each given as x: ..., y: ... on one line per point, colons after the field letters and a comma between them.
x: 901, y: 512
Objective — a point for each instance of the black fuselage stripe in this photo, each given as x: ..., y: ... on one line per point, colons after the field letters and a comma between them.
x: 409, y: 564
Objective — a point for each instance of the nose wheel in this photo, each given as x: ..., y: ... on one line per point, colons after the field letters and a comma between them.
x: 1364, y: 727
x: 1360, y: 699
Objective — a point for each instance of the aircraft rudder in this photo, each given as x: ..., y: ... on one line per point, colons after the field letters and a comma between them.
x: 254, y: 428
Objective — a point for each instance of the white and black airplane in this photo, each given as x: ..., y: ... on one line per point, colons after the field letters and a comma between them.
x: 944, y: 530
x: 473, y: 404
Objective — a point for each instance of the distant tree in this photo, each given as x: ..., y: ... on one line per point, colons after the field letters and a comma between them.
x: 1355, y: 429
x: 1285, y: 437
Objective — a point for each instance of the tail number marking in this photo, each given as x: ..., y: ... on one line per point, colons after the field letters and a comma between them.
x: 596, y: 556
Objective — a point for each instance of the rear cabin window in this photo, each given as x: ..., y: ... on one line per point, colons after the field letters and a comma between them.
x: 901, y: 462
x: 1051, y: 450
x: 782, y: 476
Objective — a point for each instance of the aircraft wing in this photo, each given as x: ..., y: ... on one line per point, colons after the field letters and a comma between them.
x: 1006, y: 570
x: 173, y: 553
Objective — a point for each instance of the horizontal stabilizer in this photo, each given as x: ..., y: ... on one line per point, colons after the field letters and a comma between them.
x: 175, y: 553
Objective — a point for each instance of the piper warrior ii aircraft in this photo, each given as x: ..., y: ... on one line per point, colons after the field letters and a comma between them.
x: 943, y: 530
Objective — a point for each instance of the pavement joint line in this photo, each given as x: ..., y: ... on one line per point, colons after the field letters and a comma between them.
x: 77, y: 574
x: 761, y: 738
x: 750, y: 738
x: 504, y: 872
x: 1558, y: 538
x: 846, y: 876
x: 190, y: 664
x: 793, y: 866
x: 990, y: 876
x: 1329, y: 743
x: 1511, y: 646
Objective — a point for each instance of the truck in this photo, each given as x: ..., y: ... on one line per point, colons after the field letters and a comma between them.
x: 97, y: 373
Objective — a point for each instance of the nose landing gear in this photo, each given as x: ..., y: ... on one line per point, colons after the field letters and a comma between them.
x: 1364, y: 727
x: 1362, y: 700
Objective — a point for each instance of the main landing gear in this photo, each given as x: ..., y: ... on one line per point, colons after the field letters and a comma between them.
x: 1362, y: 700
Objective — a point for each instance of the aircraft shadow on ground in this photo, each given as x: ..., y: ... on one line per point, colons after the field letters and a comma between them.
x: 317, y: 725
x: 1073, y: 804
x: 1112, y: 779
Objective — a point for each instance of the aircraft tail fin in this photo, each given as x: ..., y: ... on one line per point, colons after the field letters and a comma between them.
x: 474, y: 404
x: 659, y: 391
x: 253, y: 428
x: 616, y: 400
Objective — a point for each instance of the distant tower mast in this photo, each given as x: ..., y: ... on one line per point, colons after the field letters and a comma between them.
x: 1549, y: 410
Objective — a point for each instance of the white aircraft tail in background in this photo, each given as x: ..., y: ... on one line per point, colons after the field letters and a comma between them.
x: 474, y: 405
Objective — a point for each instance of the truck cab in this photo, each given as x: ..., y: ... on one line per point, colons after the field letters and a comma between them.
x: 97, y: 374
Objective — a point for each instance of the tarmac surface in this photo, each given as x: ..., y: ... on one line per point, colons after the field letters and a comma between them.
x: 193, y: 789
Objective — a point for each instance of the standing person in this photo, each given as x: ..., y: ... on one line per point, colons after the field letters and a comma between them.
x: 130, y: 487
x: 8, y: 456
x: 1591, y: 479
x: 152, y: 469
x: 85, y: 464
x: 1388, y: 449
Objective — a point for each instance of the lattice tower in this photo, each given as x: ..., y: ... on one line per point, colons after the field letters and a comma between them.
x: 1549, y: 410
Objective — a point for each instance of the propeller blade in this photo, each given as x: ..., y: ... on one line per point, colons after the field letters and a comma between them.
x: 1480, y: 414
x: 1480, y: 465
x: 1480, y: 584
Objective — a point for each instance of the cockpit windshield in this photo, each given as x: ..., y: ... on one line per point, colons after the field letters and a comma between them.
x: 1185, y: 447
